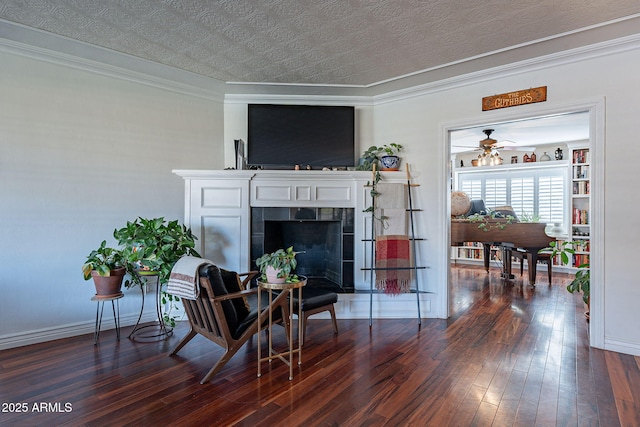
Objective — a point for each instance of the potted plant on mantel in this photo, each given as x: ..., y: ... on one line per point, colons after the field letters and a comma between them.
x: 386, y: 155
x: 152, y: 247
x: 277, y: 267
x: 107, y: 267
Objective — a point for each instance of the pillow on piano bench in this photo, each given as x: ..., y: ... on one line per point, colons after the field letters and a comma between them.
x: 505, y: 211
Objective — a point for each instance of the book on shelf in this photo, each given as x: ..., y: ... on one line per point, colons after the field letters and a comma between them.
x: 580, y: 216
x: 580, y: 259
x: 581, y: 245
x: 581, y: 156
x: 581, y: 172
x: 582, y: 187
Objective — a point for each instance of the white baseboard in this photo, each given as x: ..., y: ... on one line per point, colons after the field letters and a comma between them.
x: 356, y: 306
x: 622, y: 347
x: 71, y: 330
x: 349, y: 306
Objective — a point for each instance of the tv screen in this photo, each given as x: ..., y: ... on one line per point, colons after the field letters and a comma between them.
x: 281, y: 136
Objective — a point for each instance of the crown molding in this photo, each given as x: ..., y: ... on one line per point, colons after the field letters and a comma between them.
x: 297, y: 99
x: 43, y: 46
x: 597, y: 50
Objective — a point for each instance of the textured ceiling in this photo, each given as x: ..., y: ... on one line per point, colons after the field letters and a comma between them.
x: 326, y: 42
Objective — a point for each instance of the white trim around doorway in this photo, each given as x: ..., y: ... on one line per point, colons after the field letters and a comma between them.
x: 596, y: 109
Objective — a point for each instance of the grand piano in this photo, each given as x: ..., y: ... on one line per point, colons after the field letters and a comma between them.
x: 528, y: 237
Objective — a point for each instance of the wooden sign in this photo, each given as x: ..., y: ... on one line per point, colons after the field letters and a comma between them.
x: 512, y: 99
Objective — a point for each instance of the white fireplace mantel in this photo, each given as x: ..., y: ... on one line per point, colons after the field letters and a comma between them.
x: 218, y: 210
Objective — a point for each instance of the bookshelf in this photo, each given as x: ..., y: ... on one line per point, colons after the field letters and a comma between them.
x: 580, y: 204
x: 472, y: 253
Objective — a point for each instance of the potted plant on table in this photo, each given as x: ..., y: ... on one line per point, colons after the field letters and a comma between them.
x: 107, y: 267
x: 277, y: 267
x: 152, y: 247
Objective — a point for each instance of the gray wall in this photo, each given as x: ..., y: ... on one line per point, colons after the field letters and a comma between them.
x: 80, y: 154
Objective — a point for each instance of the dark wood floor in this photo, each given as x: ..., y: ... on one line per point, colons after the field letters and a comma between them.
x: 510, y: 355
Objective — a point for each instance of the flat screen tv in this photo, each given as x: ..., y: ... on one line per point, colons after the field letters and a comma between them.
x: 282, y: 136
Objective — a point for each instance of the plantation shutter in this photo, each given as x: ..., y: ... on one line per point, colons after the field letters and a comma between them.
x: 533, y: 192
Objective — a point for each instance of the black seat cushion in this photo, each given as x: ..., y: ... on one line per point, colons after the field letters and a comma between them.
x: 253, y: 312
x: 313, y: 297
x: 238, y: 317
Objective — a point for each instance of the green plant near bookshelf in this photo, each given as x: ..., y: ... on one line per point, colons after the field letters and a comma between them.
x: 582, y: 279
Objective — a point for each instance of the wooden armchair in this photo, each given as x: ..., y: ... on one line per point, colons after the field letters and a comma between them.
x: 226, y: 314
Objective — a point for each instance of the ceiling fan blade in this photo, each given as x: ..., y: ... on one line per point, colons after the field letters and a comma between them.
x: 515, y: 148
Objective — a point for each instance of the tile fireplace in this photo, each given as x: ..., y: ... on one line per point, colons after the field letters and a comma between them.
x: 323, y: 235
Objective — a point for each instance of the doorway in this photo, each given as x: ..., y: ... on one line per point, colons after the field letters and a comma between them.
x: 515, y: 129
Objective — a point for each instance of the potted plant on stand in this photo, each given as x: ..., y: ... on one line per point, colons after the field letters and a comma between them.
x: 153, y: 246
x: 107, y: 267
x: 277, y: 267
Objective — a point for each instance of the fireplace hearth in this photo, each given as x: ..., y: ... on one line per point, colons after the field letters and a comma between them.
x: 324, y: 236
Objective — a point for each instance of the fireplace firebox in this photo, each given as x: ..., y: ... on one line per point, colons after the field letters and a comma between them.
x: 324, y: 236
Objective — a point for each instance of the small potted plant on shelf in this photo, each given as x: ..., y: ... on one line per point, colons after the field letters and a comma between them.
x: 152, y: 247
x: 277, y: 267
x: 107, y: 267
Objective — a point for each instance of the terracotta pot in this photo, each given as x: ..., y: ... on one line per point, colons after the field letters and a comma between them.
x: 111, y: 285
x: 272, y: 275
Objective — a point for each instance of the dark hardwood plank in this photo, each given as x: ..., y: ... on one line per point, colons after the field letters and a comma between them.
x: 510, y: 355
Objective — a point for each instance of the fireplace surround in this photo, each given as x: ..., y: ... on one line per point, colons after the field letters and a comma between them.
x: 324, y: 236
x: 221, y: 206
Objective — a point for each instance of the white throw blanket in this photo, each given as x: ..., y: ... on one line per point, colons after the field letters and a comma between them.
x: 392, y: 203
x: 184, y: 277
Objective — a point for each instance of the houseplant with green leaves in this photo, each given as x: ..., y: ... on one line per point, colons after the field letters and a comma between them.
x: 107, y: 267
x: 278, y: 266
x: 153, y: 246
x: 375, y: 155
x: 582, y: 279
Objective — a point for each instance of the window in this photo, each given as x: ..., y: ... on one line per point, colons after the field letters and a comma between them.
x: 531, y: 191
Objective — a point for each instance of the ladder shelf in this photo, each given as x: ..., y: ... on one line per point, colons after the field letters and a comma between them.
x: 412, y: 239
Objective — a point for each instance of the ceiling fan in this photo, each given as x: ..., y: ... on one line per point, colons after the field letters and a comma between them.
x: 489, y: 144
x: 490, y: 147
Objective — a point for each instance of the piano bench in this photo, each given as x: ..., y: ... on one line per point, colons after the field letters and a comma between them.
x: 542, y: 258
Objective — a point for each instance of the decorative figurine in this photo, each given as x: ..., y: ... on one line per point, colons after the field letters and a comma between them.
x: 558, y: 153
